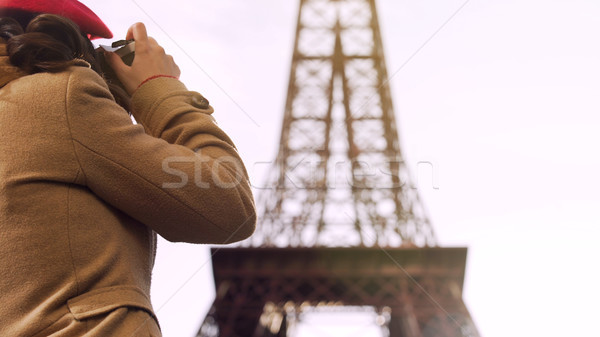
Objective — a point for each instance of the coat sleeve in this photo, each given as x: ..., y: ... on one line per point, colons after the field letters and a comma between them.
x: 177, y: 172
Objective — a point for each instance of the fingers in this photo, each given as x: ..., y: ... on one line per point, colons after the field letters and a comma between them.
x: 175, y: 71
x: 138, y: 32
x: 150, y: 60
x: 152, y: 44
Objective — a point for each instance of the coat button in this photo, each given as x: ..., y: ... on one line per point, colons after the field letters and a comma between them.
x: 200, y: 102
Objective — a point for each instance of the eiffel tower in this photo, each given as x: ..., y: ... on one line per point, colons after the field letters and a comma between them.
x: 341, y: 227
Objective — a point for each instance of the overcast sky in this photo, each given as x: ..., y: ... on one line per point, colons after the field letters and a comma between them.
x: 502, y: 101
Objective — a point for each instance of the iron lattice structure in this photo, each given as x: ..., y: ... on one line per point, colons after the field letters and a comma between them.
x: 340, y: 224
x: 340, y: 179
x: 266, y: 292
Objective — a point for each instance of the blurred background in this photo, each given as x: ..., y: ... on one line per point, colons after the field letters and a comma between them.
x: 498, y: 113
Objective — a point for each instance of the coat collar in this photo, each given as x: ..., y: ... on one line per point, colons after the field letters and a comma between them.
x: 8, y: 72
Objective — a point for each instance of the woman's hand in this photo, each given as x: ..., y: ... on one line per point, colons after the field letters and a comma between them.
x: 150, y: 60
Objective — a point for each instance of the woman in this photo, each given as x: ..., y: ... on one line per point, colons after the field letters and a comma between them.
x: 83, y: 190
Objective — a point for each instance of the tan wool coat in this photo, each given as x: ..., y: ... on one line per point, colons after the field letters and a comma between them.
x: 83, y: 191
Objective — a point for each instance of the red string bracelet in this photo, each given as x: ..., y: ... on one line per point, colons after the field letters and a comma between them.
x: 153, y: 77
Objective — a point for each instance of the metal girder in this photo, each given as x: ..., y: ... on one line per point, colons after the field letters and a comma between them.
x: 339, y: 177
x: 261, y: 290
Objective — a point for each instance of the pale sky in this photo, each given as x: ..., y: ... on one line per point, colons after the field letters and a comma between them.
x: 502, y: 102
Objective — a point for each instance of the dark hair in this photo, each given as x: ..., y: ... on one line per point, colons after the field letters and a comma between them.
x: 48, y: 43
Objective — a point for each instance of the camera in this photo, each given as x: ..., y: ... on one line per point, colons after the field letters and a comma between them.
x: 125, y: 49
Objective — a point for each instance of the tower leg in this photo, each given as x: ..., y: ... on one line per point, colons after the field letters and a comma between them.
x: 404, y: 323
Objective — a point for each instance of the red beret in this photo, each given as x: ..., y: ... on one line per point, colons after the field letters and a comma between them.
x: 87, y: 21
